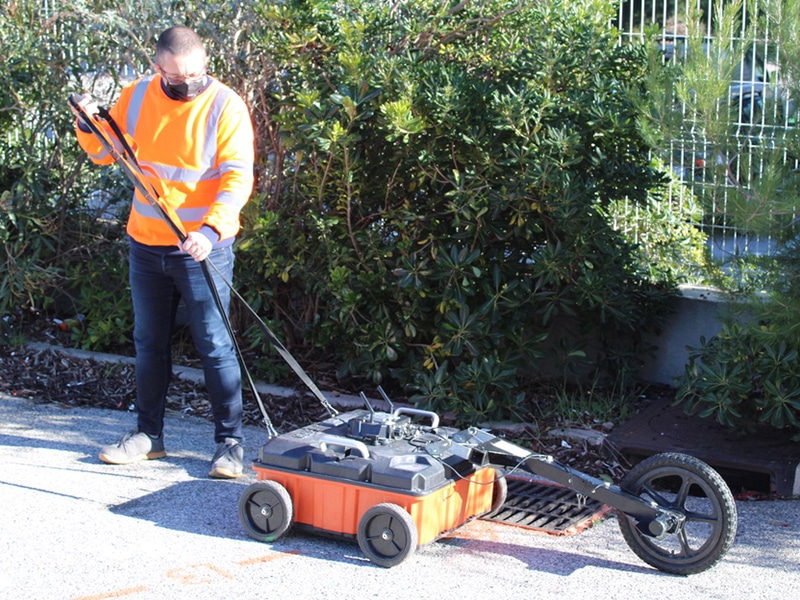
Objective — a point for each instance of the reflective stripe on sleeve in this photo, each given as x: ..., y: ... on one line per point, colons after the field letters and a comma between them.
x: 135, y: 105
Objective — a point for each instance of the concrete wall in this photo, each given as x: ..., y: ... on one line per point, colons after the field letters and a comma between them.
x: 698, y: 313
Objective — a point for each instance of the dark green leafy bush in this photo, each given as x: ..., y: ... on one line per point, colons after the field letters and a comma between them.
x: 444, y: 177
x: 749, y: 374
x: 743, y: 377
x: 435, y: 185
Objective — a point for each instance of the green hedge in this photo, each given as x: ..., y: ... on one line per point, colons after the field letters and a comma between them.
x: 434, y: 186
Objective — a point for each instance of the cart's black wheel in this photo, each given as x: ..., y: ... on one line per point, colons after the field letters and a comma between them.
x: 265, y: 510
x: 499, y: 493
x: 689, y: 486
x: 387, y: 534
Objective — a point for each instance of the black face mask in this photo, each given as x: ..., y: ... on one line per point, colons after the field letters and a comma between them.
x: 186, y: 90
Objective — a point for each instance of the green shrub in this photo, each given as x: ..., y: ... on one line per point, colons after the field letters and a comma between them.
x: 439, y: 184
x: 743, y: 377
x: 46, y: 225
x: 750, y: 372
x: 103, y: 300
x: 746, y: 375
x: 434, y: 185
x: 666, y: 233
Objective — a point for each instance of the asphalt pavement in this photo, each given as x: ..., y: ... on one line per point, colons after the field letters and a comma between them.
x: 73, y: 528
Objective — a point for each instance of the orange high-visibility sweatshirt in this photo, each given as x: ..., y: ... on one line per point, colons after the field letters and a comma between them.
x: 198, y: 155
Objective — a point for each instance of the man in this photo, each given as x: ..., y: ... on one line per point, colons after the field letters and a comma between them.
x: 194, y: 140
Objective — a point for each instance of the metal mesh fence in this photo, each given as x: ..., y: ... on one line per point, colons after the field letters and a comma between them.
x: 757, y: 109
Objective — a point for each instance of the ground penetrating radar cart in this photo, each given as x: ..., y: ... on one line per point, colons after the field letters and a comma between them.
x: 394, y: 483
x: 398, y: 480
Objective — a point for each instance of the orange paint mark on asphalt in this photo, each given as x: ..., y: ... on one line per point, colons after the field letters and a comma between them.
x: 116, y: 594
x: 266, y: 558
x: 198, y: 574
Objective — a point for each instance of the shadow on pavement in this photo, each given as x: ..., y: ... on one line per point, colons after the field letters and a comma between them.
x: 547, y: 560
x: 200, y: 506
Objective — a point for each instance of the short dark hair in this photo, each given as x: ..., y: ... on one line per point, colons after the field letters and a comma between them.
x: 179, y: 41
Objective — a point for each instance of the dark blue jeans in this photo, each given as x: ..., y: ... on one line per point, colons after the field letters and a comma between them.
x: 158, y: 281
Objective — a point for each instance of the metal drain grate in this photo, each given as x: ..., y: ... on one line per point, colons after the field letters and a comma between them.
x: 550, y: 508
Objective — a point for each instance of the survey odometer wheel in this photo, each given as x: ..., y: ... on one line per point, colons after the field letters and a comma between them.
x: 698, y: 493
x: 266, y: 510
x: 387, y: 534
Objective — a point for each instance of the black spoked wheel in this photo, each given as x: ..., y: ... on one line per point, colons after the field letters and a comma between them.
x: 265, y: 510
x: 688, y: 486
x: 387, y: 534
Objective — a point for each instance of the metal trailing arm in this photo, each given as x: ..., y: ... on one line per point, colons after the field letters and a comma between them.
x: 486, y: 449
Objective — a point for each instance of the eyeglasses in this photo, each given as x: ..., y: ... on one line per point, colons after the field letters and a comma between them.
x: 179, y: 79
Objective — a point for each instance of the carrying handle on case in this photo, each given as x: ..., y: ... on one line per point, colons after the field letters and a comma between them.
x: 417, y: 411
x: 335, y: 440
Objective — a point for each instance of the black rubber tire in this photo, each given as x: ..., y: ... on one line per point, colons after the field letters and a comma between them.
x: 499, y: 493
x: 387, y: 535
x: 266, y: 510
x: 687, y: 485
